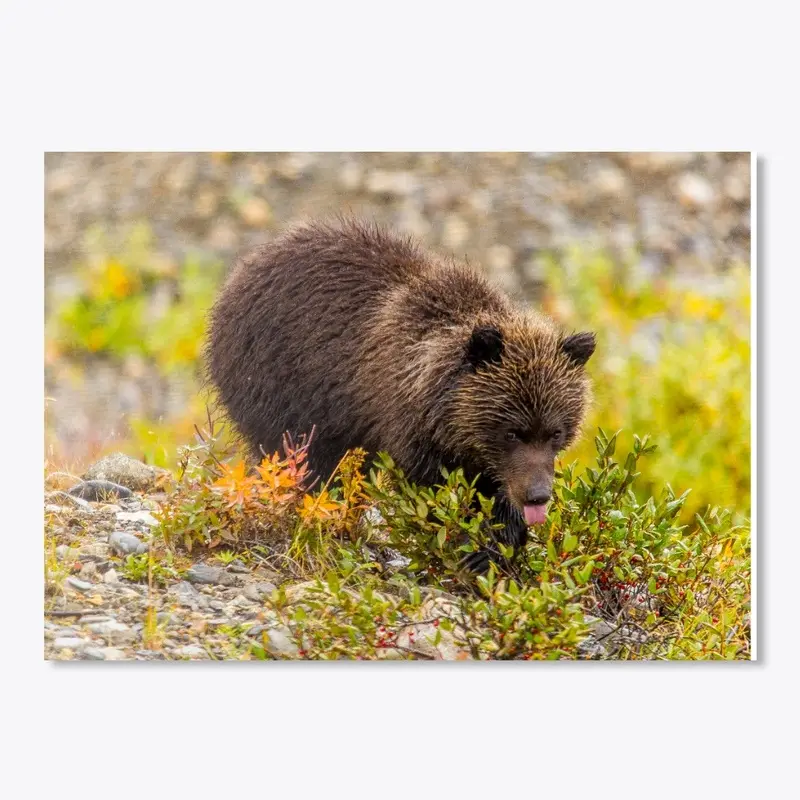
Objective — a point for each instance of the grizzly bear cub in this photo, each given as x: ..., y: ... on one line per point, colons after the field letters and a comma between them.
x: 377, y: 344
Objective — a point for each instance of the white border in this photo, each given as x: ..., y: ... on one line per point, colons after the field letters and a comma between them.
x: 531, y: 77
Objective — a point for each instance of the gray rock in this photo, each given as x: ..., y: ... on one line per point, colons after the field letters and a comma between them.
x: 238, y: 567
x: 187, y: 596
x: 124, y: 543
x: 97, y: 551
x: 88, y: 571
x: 58, y: 631
x: 191, y: 651
x: 113, y: 630
x: 96, y: 491
x: 150, y: 655
x: 124, y: 470
x: 77, y: 583
x: 203, y: 573
x: 104, y: 654
x: 280, y: 644
x: 52, y: 627
x: 70, y: 642
x: 111, y: 576
x: 257, y: 591
x: 591, y: 649
x: 92, y: 619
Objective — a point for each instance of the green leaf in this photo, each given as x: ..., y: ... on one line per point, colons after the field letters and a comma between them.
x: 333, y: 582
x: 551, y: 551
x: 584, y: 573
x: 570, y: 543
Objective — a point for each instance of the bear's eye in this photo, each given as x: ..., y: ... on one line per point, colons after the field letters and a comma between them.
x: 557, y: 436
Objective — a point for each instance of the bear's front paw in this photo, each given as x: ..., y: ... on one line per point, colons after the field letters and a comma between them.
x: 478, y: 562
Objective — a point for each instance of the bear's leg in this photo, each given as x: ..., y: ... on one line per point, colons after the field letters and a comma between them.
x: 514, y: 533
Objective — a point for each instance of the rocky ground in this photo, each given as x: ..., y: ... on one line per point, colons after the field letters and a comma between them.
x: 99, y: 608
x: 94, y: 611
x: 680, y: 210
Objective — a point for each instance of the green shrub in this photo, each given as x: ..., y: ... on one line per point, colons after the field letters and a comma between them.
x: 661, y: 588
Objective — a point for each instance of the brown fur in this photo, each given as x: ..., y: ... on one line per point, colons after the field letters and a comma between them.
x: 358, y: 332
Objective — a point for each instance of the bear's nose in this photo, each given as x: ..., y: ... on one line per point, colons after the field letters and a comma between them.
x: 537, y: 497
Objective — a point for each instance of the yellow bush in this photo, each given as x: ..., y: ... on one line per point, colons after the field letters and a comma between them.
x: 672, y: 361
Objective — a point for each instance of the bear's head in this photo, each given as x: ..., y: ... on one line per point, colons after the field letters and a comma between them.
x: 521, y: 397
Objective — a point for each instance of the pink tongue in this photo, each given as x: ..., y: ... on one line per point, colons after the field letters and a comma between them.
x: 535, y: 514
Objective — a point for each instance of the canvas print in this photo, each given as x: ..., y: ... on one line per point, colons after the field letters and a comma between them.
x: 397, y: 406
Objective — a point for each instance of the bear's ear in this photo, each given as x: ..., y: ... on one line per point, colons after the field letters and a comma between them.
x: 484, y: 346
x: 579, y: 347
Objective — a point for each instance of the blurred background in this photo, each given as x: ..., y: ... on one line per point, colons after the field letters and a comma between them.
x: 650, y: 250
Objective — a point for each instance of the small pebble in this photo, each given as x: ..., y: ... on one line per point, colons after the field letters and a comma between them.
x: 88, y: 570
x: 111, y: 576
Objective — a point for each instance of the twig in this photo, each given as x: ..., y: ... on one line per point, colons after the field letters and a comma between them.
x: 419, y: 622
x: 71, y: 613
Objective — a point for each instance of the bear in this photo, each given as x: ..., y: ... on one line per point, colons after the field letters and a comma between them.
x: 356, y: 332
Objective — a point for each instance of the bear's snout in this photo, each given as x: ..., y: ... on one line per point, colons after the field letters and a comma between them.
x: 538, y: 495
